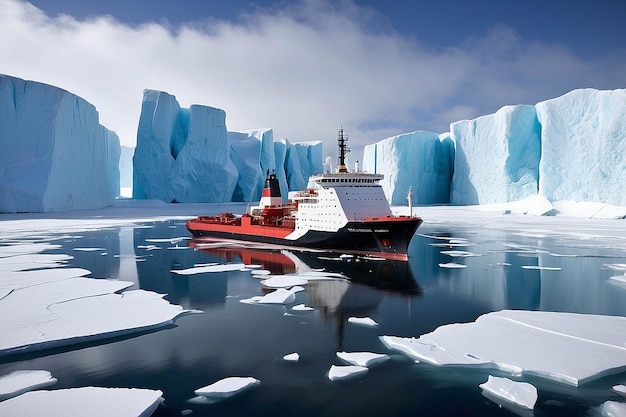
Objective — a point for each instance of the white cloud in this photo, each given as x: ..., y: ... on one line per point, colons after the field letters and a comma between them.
x: 303, y: 70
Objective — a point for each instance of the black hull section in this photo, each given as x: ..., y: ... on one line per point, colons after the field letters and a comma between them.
x: 386, y: 238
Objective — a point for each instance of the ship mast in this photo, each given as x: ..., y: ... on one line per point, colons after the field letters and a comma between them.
x: 344, y: 150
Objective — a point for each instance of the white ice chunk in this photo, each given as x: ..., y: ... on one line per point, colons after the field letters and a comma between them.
x: 302, y: 307
x: 284, y: 281
x: 621, y: 389
x: 292, y: 357
x: 227, y: 387
x: 341, y: 372
x: 522, y: 394
x: 19, y: 382
x: 260, y: 272
x: 209, y: 268
x: 565, y: 347
x: 86, y: 401
x: 452, y: 265
x: 363, y: 321
x: 541, y: 268
x: 280, y: 296
x: 366, y: 359
x: 613, y: 409
x: 619, y: 278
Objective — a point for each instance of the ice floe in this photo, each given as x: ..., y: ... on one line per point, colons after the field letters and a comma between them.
x: 85, y: 401
x: 210, y: 268
x: 284, y: 281
x: 366, y: 359
x: 46, y: 308
x: 302, y: 307
x: 279, y: 296
x: 620, y: 389
x: 343, y: 372
x: 227, y: 387
x: 19, y: 382
x: 521, y: 394
x: 292, y: 357
x: 363, y: 321
x: 459, y: 253
x: 452, y: 265
x: 541, y: 268
x: 566, y: 347
x: 613, y: 409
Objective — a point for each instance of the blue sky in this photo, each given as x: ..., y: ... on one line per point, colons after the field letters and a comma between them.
x: 379, y: 68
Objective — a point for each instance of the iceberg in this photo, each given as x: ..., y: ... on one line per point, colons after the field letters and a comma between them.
x: 252, y: 152
x: 57, y: 156
x: 570, y: 148
x: 497, y: 157
x: 521, y: 394
x: 19, y: 382
x: 182, y: 154
x: 292, y: 357
x: 583, y: 146
x: 565, y: 347
x: 302, y: 160
x: 85, y: 401
x: 420, y: 160
x: 227, y: 387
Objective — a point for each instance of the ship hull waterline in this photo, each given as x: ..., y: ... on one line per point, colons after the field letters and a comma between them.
x: 388, y: 239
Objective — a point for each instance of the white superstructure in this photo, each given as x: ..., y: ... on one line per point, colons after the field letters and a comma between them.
x: 332, y: 200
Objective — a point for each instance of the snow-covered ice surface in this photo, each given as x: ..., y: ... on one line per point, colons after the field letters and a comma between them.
x: 45, y: 308
x: 18, y: 382
x: 86, y: 401
x: 366, y: 359
x: 292, y: 357
x: 613, y: 409
x: 564, y: 347
x: 522, y: 394
x: 344, y: 372
x: 363, y: 321
x: 227, y: 387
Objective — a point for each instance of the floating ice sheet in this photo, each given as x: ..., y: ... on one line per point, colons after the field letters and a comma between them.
x: 284, y: 281
x: 366, y: 359
x: 210, y: 268
x: 521, y: 394
x: 227, y: 387
x: 302, y: 307
x: 46, y: 308
x: 363, y: 321
x: 613, y: 409
x: 19, y: 382
x: 279, y: 296
x: 86, y: 401
x: 342, y: 372
x: 565, y: 347
x: 620, y: 389
x: 452, y: 265
x: 292, y: 357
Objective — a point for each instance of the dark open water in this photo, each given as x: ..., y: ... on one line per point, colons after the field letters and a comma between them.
x: 406, y: 299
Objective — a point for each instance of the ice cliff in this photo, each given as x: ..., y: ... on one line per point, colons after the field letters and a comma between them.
x: 187, y: 155
x: 420, y: 160
x: 568, y: 148
x: 56, y: 154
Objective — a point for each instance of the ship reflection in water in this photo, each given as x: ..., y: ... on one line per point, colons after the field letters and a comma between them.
x: 367, y: 281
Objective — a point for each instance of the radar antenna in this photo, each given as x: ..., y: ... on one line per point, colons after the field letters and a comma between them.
x: 344, y: 150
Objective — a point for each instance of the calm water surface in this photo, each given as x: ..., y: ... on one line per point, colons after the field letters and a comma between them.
x: 406, y: 299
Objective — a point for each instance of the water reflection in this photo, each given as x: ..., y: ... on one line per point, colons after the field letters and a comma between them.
x: 514, y: 271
